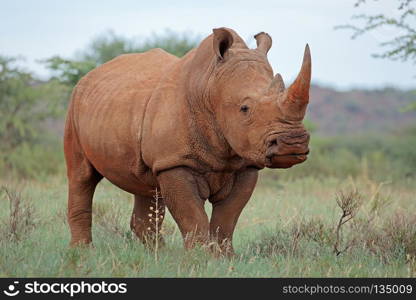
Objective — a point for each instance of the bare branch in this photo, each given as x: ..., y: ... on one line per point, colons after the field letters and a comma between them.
x: 403, y: 46
x: 349, y: 202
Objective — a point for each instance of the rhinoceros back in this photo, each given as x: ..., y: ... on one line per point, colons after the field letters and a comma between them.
x: 106, y: 114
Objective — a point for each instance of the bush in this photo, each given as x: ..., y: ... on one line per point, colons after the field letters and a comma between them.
x: 33, y: 160
x: 25, y: 104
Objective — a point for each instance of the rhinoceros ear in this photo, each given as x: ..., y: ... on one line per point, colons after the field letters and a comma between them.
x: 264, y: 42
x: 222, y: 41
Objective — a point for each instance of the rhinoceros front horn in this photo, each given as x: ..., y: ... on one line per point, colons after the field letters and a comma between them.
x: 299, y: 90
x: 297, y: 95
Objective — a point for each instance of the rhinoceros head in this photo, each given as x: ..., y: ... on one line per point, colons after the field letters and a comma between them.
x: 258, y: 116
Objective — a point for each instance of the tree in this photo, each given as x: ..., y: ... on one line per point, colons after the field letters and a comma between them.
x: 403, y: 45
x: 25, y: 103
x: 67, y: 71
x: 109, y: 45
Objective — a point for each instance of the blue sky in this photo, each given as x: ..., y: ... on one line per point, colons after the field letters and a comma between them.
x: 38, y: 29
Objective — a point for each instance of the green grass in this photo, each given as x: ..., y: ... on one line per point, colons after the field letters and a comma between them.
x: 287, y: 229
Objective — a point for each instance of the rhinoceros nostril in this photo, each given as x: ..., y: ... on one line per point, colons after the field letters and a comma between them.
x: 269, y: 156
x: 272, y: 143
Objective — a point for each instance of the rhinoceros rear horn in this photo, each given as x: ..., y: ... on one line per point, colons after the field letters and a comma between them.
x: 264, y: 42
x: 223, y: 39
x: 277, y: 84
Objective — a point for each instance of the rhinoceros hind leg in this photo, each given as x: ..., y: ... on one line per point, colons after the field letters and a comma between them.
x: 82, y: 180
x: 147, y: 218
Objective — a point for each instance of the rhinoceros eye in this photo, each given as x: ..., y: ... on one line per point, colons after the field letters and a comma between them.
x: 244, y: 108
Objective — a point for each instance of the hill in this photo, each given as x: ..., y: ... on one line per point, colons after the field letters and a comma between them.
x: 359, y: 111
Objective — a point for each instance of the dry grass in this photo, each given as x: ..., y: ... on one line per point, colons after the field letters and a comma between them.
x: 155, y: 218
x: 20, y: 221
x: 109, y: 218
x: 289, y: 228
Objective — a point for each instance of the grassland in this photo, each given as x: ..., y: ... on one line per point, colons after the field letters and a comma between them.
x: 288, y: 229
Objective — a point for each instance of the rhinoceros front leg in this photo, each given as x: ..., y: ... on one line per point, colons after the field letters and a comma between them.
x: 180, y: 193
x: 226, y: 211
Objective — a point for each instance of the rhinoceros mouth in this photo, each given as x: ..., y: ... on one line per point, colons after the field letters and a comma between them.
x: 256, y: 167
x: 284, y: 161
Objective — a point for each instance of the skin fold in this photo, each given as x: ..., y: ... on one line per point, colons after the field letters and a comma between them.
x: 195, y: 128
